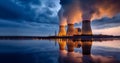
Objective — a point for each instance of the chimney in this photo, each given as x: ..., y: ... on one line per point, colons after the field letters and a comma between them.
x: 62, y: 31
x: 70, y: 30
x: 86, y: 27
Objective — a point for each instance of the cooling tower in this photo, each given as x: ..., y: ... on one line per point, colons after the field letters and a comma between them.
x: 70, y: 30
x: 86, y: 27
x: 62, y: 31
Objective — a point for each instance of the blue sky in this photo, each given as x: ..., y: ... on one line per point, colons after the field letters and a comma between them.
x: 39, y: 17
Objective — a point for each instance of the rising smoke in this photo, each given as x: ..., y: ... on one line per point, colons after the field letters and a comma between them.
x: 78, y: 10
x: 96, y: 9
x: 71, y: 10
x: 62, y: 18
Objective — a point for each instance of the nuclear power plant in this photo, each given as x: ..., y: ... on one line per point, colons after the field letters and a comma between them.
x: 71, y: 30
x: 62, y: 31
x: 74, y: 15
x: 86, y: 27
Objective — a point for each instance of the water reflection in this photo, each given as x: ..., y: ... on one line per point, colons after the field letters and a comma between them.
x: 69, y: 51
x: 68, y: 55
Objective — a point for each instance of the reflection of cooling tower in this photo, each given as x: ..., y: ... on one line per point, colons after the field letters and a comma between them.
x: 70, y: 45
x: 62, y: 31
x: 70, y: 30
x: 86, y: 27
x: 62, y: 44
x: 86, y: 47
x: 77, y: 44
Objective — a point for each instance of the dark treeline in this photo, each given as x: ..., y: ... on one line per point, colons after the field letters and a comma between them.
x: 75, y: 37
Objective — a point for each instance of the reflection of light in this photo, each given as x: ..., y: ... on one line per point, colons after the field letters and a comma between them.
x: 73, y: 57
x: 69, y: 56
x: 86, y: 47
x: 70, y: 45
x: 111, y: 44
x: 62, y: 44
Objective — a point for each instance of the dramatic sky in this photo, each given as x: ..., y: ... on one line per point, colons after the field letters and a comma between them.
x: 39, y: 17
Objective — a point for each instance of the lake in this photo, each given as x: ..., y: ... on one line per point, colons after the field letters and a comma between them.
x: 59, y: 51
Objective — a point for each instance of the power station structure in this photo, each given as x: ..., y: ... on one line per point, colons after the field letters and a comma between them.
x: 62, y: 31
x: 86, y: 27
x: 71, y: 30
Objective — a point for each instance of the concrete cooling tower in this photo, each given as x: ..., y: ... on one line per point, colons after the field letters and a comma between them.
x: 86, y: 27
x: 62, y: 31
x: 70, y: 30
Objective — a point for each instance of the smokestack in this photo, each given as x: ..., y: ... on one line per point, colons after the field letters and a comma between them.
x: 86, y: 27
x: 70, y: 30
x: 62, y: 31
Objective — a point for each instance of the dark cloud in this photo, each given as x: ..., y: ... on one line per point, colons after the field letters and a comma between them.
x: 12, y: 24
x: 66, y: 2
x: 26, y: 2
x: 107, y: 22
x: 11, y: 28
x: 9, y: 10
x: 42, y: 11
x: 29, y: 10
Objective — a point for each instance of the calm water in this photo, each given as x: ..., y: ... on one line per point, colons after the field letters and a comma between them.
x: 60, y: 51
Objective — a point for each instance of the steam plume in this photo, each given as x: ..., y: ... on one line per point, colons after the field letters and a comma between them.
x: 72, y: 11
x: 96, y: 9
x: 62, y: 18
x: 77, y: 10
